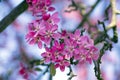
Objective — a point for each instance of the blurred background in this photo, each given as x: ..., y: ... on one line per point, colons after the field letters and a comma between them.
x: 15, y: 51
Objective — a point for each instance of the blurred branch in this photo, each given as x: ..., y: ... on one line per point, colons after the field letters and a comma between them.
x: 117, y: 12
x: 70, y: 74
x: 107, y: 41
x: 13, y: 15
x: 87, y: 15
x: 112, y: 25
x: 43, y: 73
x: 114, y: 12
x: 72, y: 5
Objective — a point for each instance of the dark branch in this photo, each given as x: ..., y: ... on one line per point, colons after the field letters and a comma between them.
x: 87, y: 15
x: 13, y: 15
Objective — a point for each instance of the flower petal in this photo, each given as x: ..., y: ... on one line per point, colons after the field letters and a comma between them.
x: 40, y: 44
x: 62, y: 68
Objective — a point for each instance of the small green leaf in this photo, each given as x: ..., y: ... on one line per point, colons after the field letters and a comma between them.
x: 52, y: 70
x: 38, y: 69
x: 37, y: 62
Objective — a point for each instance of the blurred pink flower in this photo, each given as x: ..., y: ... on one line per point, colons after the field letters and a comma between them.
x: 25, y: 72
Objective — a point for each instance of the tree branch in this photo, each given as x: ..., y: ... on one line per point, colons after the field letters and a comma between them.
x: 86, y: 15
x: 107, y: 45
x: 114, y: 12
x: 13, y: 15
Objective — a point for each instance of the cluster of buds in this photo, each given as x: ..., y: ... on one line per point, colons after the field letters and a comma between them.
x: 60, y: 47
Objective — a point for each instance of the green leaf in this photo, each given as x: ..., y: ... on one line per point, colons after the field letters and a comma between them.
x: 52, y: 70
x: 37, y: 62
x: 38, y: 69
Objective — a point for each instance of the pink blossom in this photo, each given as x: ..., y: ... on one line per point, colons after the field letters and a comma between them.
x: 25, y: 72
x: 70, y: 47
x: 53, y: 54
x: 85, y: 40
x: 64, y: 35
x: 32, y: 1
x: 64, y: 45
x: 92, y: 54
x: 34, y: 36
x: 76, y: 36
x: 62, y: 64
x: 51, y: 19
x: 40, y: 6
x: 81, y: 55
x: 48, y: 55
x: 49, y: 32
x: 54, y: 19
x: 58, y: 49
x: 58, y: 46
x: 87, y: 51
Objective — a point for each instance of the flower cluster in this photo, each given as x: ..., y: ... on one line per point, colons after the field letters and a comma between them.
x: 45, y: 28
x: 73, y: 46
x: 25, y: 72
x: 40, y: 7
x: 61, y: 47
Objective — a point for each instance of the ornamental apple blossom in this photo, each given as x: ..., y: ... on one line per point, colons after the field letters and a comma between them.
x: 39, y: 7
x: 60, y: 47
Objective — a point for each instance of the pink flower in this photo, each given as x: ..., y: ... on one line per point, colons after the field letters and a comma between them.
x: 48, y: 2
x: 34, y: 36
x: 62, y: 64
x: 65, y: 45
x: 48, y: 55
x: 58, y: 46
x: 34, y: 40
x: 25, y: 72
x: 64, y: 35
x: 40, y: 6
x: 51, y: 19
x: 70, y: 47
x: 76, y: 36
x: 54, y: 18
x: 58, y: 49
x: 31, y: 1
x: 81, y: 55
x: 52, y: 55
x: 85, y: 40
x: 92, y: 54
x: 50, y: 32
x: 86, y: 51
x: 58, y: 56
x: 36, y: 26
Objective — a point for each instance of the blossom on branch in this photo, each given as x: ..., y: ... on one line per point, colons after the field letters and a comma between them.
x: 63, y: 48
